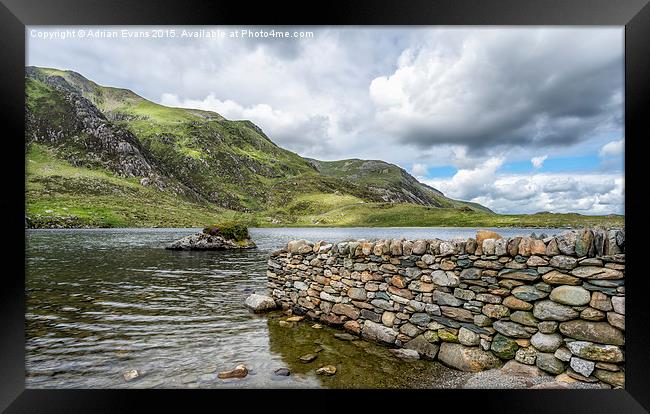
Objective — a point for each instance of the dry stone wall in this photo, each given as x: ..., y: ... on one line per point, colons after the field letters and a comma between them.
x: 551, y: 306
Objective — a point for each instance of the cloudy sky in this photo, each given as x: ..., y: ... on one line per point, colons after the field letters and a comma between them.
x: 518, y: 119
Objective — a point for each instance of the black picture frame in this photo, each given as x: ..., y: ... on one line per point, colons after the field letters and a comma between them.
x: 16, y: 14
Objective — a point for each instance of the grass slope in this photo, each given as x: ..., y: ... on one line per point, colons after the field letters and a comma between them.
x: 61, y: 195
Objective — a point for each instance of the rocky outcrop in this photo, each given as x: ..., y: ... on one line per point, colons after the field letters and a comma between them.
x: 202, y: 241
x: 554, y: 305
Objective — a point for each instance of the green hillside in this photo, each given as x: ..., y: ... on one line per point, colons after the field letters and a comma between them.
x: 105, y: 157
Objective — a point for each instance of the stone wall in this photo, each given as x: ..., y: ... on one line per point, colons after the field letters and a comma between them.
x: 551, y: 305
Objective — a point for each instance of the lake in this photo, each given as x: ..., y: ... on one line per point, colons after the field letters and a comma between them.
x: 104, y: 301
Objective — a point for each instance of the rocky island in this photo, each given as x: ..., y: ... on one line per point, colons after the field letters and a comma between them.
x: 223, y: 236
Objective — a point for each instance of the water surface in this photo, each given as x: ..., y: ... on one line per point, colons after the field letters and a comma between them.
x: 104, y: 301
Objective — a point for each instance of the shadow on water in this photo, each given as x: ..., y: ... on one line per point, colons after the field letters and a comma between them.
x: 359, y: 363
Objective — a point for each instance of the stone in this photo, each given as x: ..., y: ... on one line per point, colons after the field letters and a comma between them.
x: 596, y: 352
x: 566, y: 243
x: 388, y: 318
x: 582, y: 366
x: 240, y: 371
x: 203, y: 241
x: 488, y: 298
x: 381, y: 304
x: 511, y: 329
x: 524, y: 318
x: 447, y: 249
x: 599, y: 332
x: 616, y: 320
x: 405, y: 354
x: 442, y: 278
x: 482, y: 320
x: 410, y: 330
x: 517, y: 369
x: 549, y: 310
x: 446, y: 335
x: 525, y: 245
x: 518, y: 304
x: 299, y: 247
x: 546, y: 342
x: 328, y: 297
x: 501, y: 247
x: 528, y: 275
x: 446, y: 299
x: 352, y: 326
x: 547, y: 362
x: 282, y: 372
x: 591, y: 314
x: 563, y: 354
x: 464, y: 358
x: 420, y: 247
x: 495, y: 311
x: 584, y: 242
x: 357, y: 293
x: 608, y: 366
x: 563, y: 262
x: 526, y: 355
x: 547, y: 327
x: 396, y: 247
x: 131, y: 375
x: 458, y: 314
x: 488, y: 247
x: 370, y: 315
x: 260, y: 303
x: 347, y: 310
x: 431, y: 336
x: 504, y: 347
x: 534, y: 261
x: 331, y: 320
x: 618, y: 303
x: 616, y: 379
x: 300, y: 285
x: 398, y: 281
x: 471, y: 245
x: 326, y: 370
x: 295, y: 318
x: 376, y: 332
x: 570, y: 295
x: 423, y: 347
x: 537, y: 247
x: 555, y: 277
x: 418, y: 286
x: 551, y: 248
x: 528, y: 293
x: 513, y: 246
x: 471, y: 273
x: 420, y: 319
x: 464, y: 294
x: 345, y: 336
x: 596, y: 272
x: 601, y: 302
x: 467, y: 337
x: 317, y: 326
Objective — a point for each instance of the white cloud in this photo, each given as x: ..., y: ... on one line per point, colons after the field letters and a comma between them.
x: 612, y: 149
x: 585, y: 193
x: 419, y: 170
x: 538, y: 161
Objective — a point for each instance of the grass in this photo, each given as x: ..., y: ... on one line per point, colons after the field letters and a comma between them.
x: 59, y: 194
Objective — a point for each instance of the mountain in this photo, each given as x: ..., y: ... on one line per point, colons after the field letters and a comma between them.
x: 103, y: 156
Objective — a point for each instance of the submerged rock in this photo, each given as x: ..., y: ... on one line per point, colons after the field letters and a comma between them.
x: 240, y: 371
x: 326, y: 370
x: 204, y: 241
x: 131, y: 375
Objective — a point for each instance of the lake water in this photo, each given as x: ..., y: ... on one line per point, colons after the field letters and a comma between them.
x: 104, y: 301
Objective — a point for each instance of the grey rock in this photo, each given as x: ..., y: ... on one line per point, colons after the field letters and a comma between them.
x: 546, y: 342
